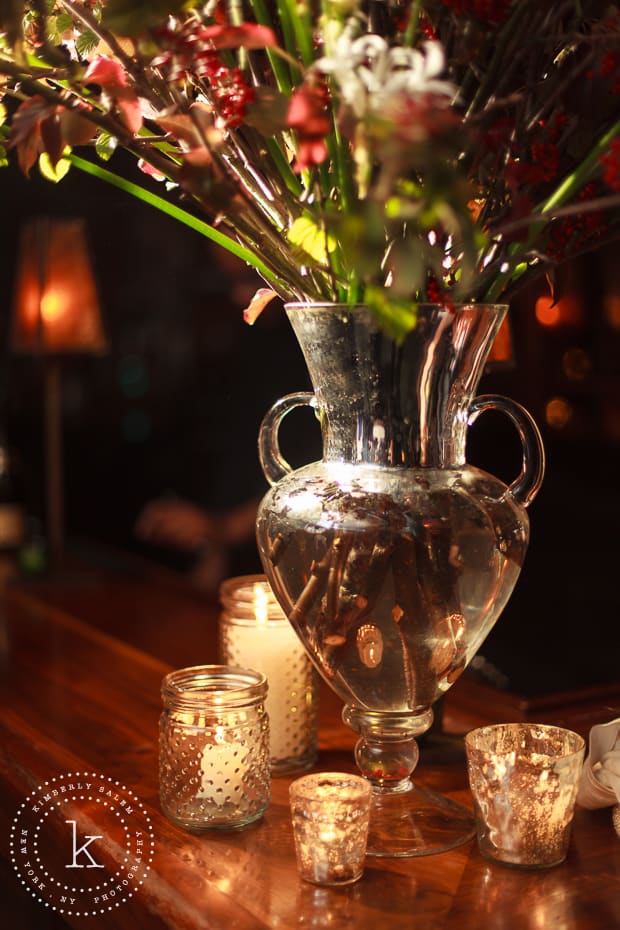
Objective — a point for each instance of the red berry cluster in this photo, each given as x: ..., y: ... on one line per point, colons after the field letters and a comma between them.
x: 542, y: 165
x: 611, y: 164
x: 608, y: 64
x: 497, y: 138
x: 188, y: 53
x: 610, y: 68
x: 554, y: 127
x: 230, y: 90
x: 579, y: 231
x: 546, y: 158
x: 435, y: 296
x: 426, y: 27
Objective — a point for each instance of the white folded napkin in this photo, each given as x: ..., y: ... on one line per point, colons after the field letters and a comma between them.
x: 600, y: 778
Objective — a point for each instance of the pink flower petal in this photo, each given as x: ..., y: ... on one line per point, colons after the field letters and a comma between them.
x: 247, y: 35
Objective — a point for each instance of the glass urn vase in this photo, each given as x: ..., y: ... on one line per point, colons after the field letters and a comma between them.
x: 392, y: 557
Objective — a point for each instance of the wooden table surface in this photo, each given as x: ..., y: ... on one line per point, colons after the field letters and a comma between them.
x: 82, y: 656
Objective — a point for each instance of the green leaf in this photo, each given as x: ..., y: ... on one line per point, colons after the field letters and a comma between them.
x: 407, y: 262
x: 105, y: 146
x: 362, y: 237
x: 51, y: 172
x: 86, y: 42
x: 64, y: 22
x: 396, y: 316
x: 311, y: 240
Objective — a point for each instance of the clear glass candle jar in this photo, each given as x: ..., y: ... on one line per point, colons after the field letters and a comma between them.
x: 214, y: 770
x: 255, y: 633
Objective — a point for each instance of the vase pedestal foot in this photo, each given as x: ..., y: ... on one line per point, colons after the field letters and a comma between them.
x: 415, y: 821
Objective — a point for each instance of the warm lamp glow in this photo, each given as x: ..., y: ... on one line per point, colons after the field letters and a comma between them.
x: 55, y: 307
x: 52, y: 308
x: 55, y: 313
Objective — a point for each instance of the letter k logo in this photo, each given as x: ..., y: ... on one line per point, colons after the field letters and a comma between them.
x: 82, y: 849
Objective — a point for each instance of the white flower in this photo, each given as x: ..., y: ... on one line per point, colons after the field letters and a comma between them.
x: 370, y: 73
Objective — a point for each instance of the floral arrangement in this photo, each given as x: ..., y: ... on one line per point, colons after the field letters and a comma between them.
x: 385, y: 151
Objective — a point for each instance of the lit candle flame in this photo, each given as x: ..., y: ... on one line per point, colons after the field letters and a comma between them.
x: 261, y: 608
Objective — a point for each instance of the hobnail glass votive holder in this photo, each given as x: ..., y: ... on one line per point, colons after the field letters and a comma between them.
x: 524, y: 779
x: 330, y: 814
x: 214, y: 771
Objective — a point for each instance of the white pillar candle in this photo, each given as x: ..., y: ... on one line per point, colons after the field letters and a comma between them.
x: 222, y: 765
x: 255, y: 633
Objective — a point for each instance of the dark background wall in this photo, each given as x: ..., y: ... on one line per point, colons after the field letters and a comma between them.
x: 175, y: 406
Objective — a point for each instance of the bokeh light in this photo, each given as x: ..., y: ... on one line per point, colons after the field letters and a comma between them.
x: 558, y: 412
x: 611, y: 310
x: 565, y: 311
x: 576, y: 364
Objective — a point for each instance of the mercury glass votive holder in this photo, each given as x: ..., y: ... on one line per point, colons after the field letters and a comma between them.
x: 254, y: 632
x: 330, y: 814
x: 524, y: 779
x: 214, y: 771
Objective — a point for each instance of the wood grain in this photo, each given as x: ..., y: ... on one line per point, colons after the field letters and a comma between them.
x: 79, y: 691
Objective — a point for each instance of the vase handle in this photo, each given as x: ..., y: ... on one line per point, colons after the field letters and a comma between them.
x: 525, y: 488
x: 272, y: 461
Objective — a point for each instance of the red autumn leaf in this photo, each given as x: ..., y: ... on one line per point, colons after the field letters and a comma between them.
x: 181, y: 127
x: 308, y: 110
x: 308, y: 114
x: 51, y: 137
x: 130, y: 110
x: 262, y: 297
x: 247, y: 35
x: 310, y: 152
x: 26, y: 132
x: 191, y: 131
x: 198, y: 158
x: 75, y: 129
x: 106, y: 72
x: 112, y: 79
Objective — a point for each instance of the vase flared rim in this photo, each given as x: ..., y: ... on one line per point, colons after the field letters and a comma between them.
x: 326, y: 305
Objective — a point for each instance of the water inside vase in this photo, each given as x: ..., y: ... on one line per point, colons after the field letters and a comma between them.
x: 392, y: 577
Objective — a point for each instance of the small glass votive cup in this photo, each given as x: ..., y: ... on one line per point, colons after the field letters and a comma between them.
x: 330, y: 813
x: 214, y: 771
x: 524, y: 779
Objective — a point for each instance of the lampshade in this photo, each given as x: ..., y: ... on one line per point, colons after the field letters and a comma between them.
x: 55, y: 305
